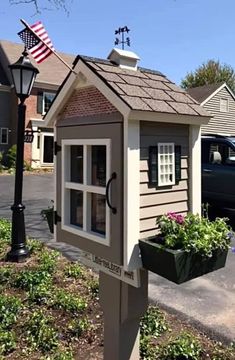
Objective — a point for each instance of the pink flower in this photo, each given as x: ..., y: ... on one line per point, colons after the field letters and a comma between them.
x: 174, y: 217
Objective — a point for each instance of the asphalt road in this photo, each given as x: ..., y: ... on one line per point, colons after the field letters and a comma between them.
x: 208, y: 302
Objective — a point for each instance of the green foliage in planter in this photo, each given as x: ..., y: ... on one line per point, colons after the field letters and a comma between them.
x: 73, y: 270
x: 48, y: 260
x: 5, y: 231
x: 185, y: 346
x: 60, y: 355
x: 40, y: 332
x: 9, y: 309
x: 153, y: 322
x: 78, y: 326
x: 68, y: 302
x: 7, y: 341
x: 28, y: 279
x: 193, y: 233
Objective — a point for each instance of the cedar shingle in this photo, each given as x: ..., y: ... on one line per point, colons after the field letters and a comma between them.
x: 117, y: 88
x: 157, y: 94
x: 199, y: 109
x: 175, y: 87
x: 182, y: 108
x: 117, y: 70
x: 159, y: 106
x: 157, y: 77
x: 136, y: 103
x: 132, y: 90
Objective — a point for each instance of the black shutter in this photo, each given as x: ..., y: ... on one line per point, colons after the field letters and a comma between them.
x: 39, y: 102
x: 153, y: 165
x: 177, y: 164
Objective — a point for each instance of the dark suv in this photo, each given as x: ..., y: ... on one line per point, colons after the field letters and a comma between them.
x: 218, y: 170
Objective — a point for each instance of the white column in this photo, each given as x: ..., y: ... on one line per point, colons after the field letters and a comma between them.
x: 131, y: 178
x: 195, y: 169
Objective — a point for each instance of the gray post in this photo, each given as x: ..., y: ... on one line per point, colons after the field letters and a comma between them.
x: 123, y: 305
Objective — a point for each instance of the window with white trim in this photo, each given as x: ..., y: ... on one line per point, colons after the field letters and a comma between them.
x: 47, y: 101
x: 85, y: 172
x: 4, y: 136
x: 224, y: 105
x: 166, y: 164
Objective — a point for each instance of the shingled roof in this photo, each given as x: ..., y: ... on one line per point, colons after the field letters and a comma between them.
x: 201, y: 93
x: 52, y: 71
x: 144, y: 89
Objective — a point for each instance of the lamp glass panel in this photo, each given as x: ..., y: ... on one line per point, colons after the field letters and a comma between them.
x: 27, y: 77
x: 16, y: 75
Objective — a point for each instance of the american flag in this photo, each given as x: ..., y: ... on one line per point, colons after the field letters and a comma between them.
x: 37, y: 41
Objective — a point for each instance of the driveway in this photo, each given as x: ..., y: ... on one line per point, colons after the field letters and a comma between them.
x: 208, y: 302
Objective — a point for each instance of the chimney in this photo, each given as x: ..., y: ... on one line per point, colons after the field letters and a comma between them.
x: 124, y: 59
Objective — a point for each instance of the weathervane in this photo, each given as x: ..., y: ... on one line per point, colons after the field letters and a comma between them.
x: 119, y: 31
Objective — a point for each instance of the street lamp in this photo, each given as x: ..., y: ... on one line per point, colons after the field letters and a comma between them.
x: 23, y: 74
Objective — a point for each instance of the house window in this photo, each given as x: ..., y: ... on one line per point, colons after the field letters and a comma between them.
x: 166, y: 164
x: 86, y: 169
x: 44, y: 101
x: 4, y: 136
x: 224, y: 105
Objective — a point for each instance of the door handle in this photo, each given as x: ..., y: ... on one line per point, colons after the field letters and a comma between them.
x: 207, y: 170
x: 113, y: 176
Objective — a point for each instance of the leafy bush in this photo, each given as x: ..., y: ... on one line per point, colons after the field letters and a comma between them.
x: 40, y: 294
x: 28, y: 279
x: 93, y: 286
x: 7, y: 341
x: 40, y: 332
x: 9, y: 309
x: 60, y: 355
x: 185, y: 346
x: 147, y: 350
x: 68, y: 302
x: 5, y: 231
x: 48, y: 260
x: 193, y: 233
x: 6, y: 274
x: 1, y: 162
x: 34, y: 246
x: 11, y: 157
x: 73, y: 270
x: 78, y: 326
x: 153, y: 322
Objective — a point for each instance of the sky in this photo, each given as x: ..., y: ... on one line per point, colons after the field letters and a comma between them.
x: 171, y: 36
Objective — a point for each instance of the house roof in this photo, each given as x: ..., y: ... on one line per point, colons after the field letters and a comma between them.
x: 144, y: 89
x: 201, y: 93
x: 52, y: 71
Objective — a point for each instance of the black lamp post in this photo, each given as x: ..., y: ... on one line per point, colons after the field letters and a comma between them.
x: 23, y: 74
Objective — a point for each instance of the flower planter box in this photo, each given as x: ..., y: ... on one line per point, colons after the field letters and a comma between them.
x: 178, y: 265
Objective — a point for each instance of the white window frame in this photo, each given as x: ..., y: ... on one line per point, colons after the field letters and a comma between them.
x: 166, y: 164
x: 224, y: 105
x: 43, y: 100
x: 7, y: 133
x: 67, y: 185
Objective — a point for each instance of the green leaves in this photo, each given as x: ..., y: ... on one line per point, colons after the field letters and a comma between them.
x: 185, y: 346
x: 195, y: 233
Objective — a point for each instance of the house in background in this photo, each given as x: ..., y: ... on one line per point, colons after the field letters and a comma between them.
x: 52, y: 72
x: 219, y: 101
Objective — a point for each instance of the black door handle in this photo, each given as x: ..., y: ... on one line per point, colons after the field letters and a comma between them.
x: 113, y: 176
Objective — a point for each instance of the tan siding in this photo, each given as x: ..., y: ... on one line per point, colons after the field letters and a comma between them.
x: 157, y: 201
x: 222, y: 122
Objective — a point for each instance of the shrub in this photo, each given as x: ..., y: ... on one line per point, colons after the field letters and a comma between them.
x: 73, y: 270
x: 40, y: 294
x: 68, y: 302
x: 28, y: 279
x: 93, y: 286
x: 185, y: 346
x: 6, y: 274
x: 153, y: 323
x: 78, y: 326
x: 40, y: 332
x: 48, y: 260
x: 35, y: 246
x: 147, y: 350
x: 5, y: 231
x: 9, y: 309
x: 7, y: 341
x: 11, y: 157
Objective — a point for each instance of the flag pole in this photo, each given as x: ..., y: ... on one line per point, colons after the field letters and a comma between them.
x: 53, y: 51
